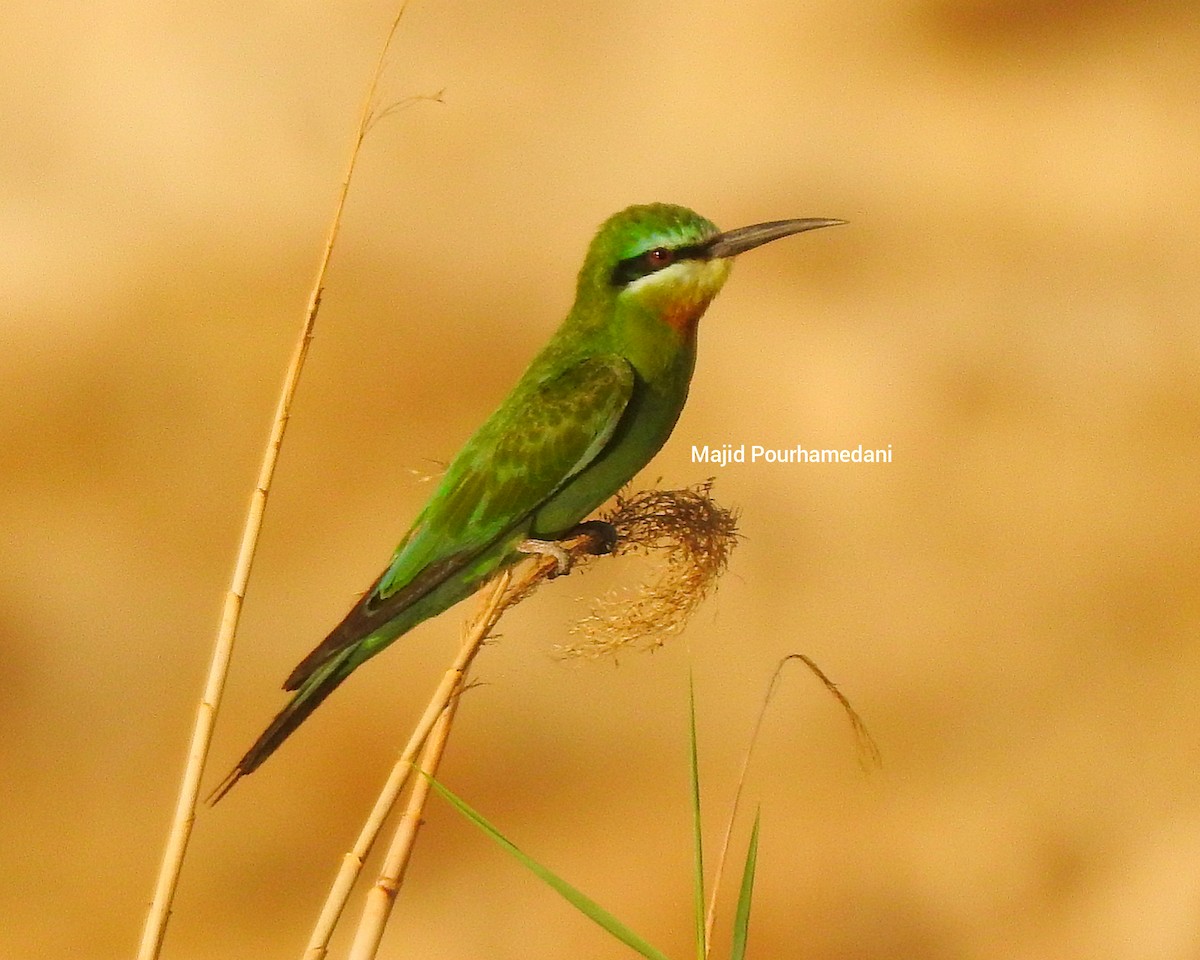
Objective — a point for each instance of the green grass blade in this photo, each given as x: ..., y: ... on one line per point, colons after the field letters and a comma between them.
x: 701, y: 939
x: 741, y: 920
x: 573, y: 896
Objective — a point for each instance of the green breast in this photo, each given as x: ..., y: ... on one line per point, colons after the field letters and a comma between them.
x: 648, y: 421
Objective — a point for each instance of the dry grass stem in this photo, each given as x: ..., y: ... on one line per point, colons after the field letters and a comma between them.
x: 185, y: 808
x: 352, y: 863
x: 382, y: 896
x: 868, y: 758
x: 506, y: 590
x: 694, y: 536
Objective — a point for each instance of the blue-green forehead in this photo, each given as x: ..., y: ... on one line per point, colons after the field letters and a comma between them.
x: 637, y: 229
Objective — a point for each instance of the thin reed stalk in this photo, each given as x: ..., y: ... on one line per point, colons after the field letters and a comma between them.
x: 506, y: 590
x: 184, y: 816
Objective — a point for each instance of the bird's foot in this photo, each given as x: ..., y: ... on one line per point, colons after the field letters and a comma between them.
x: 548, y: 548
x: 595, y: 537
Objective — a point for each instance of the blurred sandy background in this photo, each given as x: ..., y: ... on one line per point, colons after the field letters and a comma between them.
x: 1012, y: 604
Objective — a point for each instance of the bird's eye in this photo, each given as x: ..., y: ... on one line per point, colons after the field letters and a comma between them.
x: 643, y: 264
x: 658, y: 258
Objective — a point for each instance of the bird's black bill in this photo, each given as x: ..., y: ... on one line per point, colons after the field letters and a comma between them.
x: 732, y: 242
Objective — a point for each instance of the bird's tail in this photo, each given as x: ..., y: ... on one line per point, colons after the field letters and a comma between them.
x: 320, y: 684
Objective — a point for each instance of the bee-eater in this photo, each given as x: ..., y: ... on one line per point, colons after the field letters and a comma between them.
x: 592, y: 409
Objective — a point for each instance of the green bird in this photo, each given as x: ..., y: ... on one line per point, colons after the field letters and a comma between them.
x: 592, y: 409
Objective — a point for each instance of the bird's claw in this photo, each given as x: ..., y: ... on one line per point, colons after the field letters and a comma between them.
x: 548, y: 548
x: 596, y: 537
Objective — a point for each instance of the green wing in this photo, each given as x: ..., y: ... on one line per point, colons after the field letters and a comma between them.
x: 541, y: 436
x: 537, y: 441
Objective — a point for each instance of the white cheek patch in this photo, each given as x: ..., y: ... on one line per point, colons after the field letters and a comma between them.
x: 687, y: 279
x: 675, y: 274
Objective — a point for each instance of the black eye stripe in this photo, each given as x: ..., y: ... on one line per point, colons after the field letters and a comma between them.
x: 644, y: 264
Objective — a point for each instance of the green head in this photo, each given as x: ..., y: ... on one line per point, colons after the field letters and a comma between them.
x: 668, y: 262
